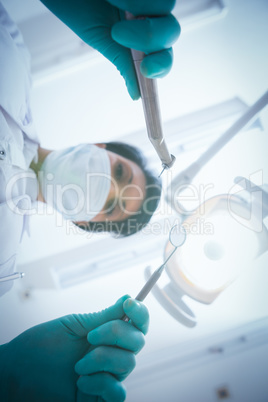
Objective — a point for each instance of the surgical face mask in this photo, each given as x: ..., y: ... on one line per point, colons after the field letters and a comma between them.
x: 76, y: 181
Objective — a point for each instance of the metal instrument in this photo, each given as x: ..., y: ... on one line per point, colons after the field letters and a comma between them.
x: 149, y: 95
x: 177, y: 237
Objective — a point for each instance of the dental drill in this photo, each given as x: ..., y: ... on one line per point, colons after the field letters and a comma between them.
x: 151, y: 109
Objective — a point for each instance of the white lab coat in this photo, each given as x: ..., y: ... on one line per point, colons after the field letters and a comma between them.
x: 18, y: 145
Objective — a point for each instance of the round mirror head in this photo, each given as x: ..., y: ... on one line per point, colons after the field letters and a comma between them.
x: 177, y: 235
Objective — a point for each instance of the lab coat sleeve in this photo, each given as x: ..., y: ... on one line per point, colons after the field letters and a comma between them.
x: 18, y: 144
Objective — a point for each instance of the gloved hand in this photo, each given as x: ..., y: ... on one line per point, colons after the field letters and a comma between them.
x: 101, y: 24
x: 44, y: 363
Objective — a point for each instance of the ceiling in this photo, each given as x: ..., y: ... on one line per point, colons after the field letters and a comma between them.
x: 85, y: 100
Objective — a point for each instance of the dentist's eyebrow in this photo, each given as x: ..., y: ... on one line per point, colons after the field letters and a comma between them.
x: 110, y: 206
x: 131, y: 177
x: 122, y: 211
x: 110, y: 213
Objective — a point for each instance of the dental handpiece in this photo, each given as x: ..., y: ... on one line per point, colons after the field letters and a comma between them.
x: 151, y: 109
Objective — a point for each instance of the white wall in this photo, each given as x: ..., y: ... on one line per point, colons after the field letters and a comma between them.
x: 235, y: 361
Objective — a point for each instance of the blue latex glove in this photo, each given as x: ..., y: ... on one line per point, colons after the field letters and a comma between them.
x: 101, y: 24
x: 44, y: 363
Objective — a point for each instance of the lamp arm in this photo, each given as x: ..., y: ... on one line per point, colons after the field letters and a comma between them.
x: 184, y: 178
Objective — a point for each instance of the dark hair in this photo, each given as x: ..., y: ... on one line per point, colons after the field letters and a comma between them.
x: 137, y: 221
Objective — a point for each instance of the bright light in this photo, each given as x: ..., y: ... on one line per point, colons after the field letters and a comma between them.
x: 211, y: 261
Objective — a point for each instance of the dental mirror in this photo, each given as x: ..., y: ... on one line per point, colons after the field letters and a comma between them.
x: 177, y: 237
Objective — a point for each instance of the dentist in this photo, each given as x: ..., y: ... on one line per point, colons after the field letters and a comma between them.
x: 76, y: 357
x: 122, y: 194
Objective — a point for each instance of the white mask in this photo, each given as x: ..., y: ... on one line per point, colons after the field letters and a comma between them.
x: 76, y: 181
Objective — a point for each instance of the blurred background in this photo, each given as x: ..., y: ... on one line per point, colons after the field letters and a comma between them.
x: 220, y: 69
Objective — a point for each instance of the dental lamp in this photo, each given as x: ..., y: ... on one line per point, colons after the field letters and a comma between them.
x: 208, y: 263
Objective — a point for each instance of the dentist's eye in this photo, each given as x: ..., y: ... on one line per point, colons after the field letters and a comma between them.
x: 119, y: 171
x: 110, y: 207
x: 113, y: 209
